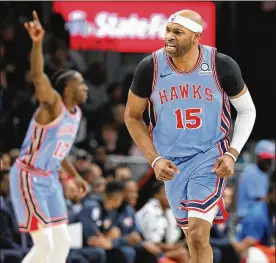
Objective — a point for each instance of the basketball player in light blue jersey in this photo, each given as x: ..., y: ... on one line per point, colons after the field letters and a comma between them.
x: 187, y: 88
x: 36, y: 192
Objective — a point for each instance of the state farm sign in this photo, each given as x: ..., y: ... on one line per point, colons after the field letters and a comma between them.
x: 127, y: 26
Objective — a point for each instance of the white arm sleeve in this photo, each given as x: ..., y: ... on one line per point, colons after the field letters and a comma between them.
x: 246, y: 115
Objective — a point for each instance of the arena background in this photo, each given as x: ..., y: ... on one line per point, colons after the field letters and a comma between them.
x: 107, y: 53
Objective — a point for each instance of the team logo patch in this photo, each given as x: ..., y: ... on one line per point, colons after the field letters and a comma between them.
x: 205, y: 69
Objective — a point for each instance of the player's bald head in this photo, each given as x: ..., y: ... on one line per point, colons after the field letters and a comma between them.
x: 192, y: 15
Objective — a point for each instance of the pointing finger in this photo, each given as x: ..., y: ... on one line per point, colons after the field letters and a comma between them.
x: 35, y: 16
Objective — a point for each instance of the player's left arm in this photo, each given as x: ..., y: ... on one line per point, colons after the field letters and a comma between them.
x: 230, y: 78
x: 78, y: 180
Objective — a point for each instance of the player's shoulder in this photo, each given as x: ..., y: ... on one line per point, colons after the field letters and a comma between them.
x: 146, y: 63
x: 225, y: 60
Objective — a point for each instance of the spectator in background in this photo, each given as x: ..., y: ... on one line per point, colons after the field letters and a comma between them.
x: 100, y: 232
x: 97, y: 86
x: 13, y: 155
x: 92, y: 173
x: 108, y: 138
x: 122, y: 172
x: 220, y: 234
x: 101, y: 158
x: 158, y: 226
x: 254, y: 180
x: 6, y: 161
x: 82, y: 161
x: 124, y: 141
x: 258, y: 229
x: 58, y: 59
x: 10, y: 237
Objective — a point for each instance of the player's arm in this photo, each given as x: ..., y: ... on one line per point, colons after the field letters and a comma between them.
x: 138, y: 96
x: 69, y: 168
x: 43, y: 88
x: 231, y: 80
x: 139, y: 93
x: 78, y: 180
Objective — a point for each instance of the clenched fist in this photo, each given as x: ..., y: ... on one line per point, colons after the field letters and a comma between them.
x: 164, y: 169
x: 224, y: 166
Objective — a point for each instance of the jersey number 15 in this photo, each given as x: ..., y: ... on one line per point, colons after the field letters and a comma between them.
x: 189, y: 118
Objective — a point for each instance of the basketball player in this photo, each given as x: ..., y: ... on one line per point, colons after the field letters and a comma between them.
x: 35, y: 188
x: 187, y: 87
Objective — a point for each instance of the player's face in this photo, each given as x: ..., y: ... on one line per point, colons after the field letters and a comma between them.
x: 178, y: 40
x: 80, y: 89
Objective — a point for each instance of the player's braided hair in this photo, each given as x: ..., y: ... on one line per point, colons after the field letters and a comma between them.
x: 60, y: 79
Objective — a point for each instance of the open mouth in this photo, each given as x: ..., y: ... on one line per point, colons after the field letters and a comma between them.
x: 170, y: 47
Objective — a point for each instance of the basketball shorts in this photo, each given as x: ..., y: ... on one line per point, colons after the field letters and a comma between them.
x: 196, y: 188
x: 37, y: 199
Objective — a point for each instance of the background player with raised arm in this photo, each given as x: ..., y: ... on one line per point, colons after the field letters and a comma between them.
x: 36, y: 192
x: 187, y: 87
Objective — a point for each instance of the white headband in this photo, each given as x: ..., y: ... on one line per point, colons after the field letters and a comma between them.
x: 186, y: 22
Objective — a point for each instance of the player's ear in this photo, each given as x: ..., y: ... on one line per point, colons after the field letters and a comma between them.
x: 197, y: 37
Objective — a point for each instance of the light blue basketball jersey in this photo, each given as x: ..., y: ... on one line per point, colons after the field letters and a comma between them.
x: 45, y: 146
x: 190, y: 112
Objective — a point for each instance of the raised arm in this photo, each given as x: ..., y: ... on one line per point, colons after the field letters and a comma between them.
x: 43, y: 88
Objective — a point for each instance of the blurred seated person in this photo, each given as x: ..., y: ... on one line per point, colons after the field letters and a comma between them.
x: 220, y: 234
x: 127, y: 224
x: 126, y: 219
x: 10, y: 237
x: 13, y: 155
x: 97, y: 191
x: 108, y: 138
x: 91, y: 173
x: 158, y: 226
x: 82, y: 161
x: 254, y: 180
x: 258, y: 229
x: 122, y: 172
x: 100, y: 232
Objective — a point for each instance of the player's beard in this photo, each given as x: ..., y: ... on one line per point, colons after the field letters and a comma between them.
x: 184, y: 48
x: 181, y: 49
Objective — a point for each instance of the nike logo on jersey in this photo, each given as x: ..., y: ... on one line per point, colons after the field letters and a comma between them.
x: 163, y: 76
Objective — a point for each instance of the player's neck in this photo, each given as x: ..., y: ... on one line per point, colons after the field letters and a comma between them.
x: 187, y: 62
x: 70, y: 105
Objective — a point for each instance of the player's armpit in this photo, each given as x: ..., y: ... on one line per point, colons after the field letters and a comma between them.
x: 137, y: 127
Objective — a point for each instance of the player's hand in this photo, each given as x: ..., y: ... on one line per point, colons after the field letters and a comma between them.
x: 164, y: 170
x: 81, y: 184
x: 35, y: 29
x: 224, y: 166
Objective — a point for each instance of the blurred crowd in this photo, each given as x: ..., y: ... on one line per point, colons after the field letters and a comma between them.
x: 123, y: 219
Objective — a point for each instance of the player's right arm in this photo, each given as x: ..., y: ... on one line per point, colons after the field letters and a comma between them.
x: 43, y: 88
x: 136, y: 104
